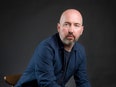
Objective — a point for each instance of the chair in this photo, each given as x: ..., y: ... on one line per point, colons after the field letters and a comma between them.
x: 12, y: 79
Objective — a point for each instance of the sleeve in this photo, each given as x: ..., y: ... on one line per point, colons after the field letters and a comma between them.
x: 80, y: 76
x: 44, y: 69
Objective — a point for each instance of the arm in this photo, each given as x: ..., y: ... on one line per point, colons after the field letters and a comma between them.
x: 44, y: 69
x: 80, y: 75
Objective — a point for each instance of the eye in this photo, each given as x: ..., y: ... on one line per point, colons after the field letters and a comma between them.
x: 66, y: 25
x: 77, y: 25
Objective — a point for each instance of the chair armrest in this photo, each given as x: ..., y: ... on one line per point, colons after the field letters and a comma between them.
x: 12, y: 79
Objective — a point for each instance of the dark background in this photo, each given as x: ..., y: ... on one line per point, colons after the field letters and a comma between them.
x: 24, y: 23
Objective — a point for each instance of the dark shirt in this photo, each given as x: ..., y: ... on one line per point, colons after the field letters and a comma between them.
x: 66, y: 56
x: 50, y: 66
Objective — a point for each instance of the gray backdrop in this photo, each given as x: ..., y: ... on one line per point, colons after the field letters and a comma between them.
x: 24, y: 23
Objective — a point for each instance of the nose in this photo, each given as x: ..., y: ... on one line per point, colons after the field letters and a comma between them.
x: 71, y: 29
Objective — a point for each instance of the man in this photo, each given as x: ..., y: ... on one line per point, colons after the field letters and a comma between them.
x: 59, y: 57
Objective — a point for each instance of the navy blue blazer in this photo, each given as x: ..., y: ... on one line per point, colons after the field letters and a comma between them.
x: 47, y: 67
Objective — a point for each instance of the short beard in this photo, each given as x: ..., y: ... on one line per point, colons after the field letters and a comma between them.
x: 68, y: 43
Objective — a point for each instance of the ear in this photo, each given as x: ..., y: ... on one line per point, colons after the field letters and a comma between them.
x: 58, y: 27
x: 82, y: 29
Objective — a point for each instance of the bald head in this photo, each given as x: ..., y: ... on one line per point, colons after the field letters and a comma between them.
x: 70, y: 27
x: 71, y: 12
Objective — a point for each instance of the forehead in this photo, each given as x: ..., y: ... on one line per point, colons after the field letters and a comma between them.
x: 71, y: 16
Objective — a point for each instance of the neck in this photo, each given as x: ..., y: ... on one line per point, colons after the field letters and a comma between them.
x: 68, y: 47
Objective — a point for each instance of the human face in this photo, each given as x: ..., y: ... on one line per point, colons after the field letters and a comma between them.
x: 70, y: 27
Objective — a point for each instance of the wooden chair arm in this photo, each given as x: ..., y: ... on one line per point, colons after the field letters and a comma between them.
x: 12, y: 79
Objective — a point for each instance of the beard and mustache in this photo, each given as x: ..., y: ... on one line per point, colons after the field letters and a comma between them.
x: 69, y: 39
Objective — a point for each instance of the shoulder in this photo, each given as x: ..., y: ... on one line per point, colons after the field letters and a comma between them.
x: 50, y: 42
x: 79, y: 47
x: 81, y: 51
